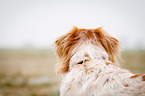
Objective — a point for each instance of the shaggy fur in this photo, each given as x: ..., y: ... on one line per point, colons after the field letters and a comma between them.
x: 87, y: 62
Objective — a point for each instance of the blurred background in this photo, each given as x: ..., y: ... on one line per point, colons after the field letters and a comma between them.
x: 28, y: 28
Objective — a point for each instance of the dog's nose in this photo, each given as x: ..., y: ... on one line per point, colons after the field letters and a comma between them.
x: 83, y: 61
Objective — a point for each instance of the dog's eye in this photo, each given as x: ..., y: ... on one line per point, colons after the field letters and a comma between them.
x: 103, y: 57
x: 80, y: 62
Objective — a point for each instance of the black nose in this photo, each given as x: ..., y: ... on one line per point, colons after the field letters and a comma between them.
x: 81, y: 62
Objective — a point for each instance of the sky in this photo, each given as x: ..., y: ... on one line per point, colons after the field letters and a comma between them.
x: 37, y: 23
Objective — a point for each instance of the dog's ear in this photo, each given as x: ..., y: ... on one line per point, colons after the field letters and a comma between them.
x: 110, y: 44
x: 64, y: 46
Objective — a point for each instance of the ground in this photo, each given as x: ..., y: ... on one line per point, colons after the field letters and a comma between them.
x: 29, y: 72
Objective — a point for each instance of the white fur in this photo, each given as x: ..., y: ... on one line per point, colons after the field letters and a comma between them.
x: 95, y: 78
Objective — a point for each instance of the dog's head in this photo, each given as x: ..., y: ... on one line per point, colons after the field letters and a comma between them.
x: 83, y: 45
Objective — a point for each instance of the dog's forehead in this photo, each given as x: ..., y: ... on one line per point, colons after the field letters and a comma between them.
x: 86, y: 39
x: 88, y: 47
x: 85, y: 31
x: 84, y: 35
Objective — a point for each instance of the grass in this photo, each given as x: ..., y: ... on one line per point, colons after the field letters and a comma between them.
x: 31, y: 72
x: 27, y: 73
x: 134, y: 61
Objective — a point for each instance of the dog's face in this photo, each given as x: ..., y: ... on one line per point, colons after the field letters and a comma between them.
x: 85, y: 53
x: 79, y: 47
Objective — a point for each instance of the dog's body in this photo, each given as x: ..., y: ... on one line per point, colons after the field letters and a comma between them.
x: 88, y: 63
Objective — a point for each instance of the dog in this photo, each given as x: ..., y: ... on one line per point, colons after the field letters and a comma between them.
x: 87, y: 65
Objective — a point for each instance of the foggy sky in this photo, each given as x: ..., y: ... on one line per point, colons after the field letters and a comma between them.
x: 37, y: 23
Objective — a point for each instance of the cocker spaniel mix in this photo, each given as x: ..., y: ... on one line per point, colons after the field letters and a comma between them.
x: 87, y: 63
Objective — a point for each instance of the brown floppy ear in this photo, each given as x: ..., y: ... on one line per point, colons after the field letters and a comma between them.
x: 110, y: 44
x: 64, y: 45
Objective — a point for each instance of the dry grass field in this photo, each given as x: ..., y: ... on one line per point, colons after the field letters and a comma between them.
x: 31, y: 72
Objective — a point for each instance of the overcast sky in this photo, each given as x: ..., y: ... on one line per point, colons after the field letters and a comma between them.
x: 37, y: 23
